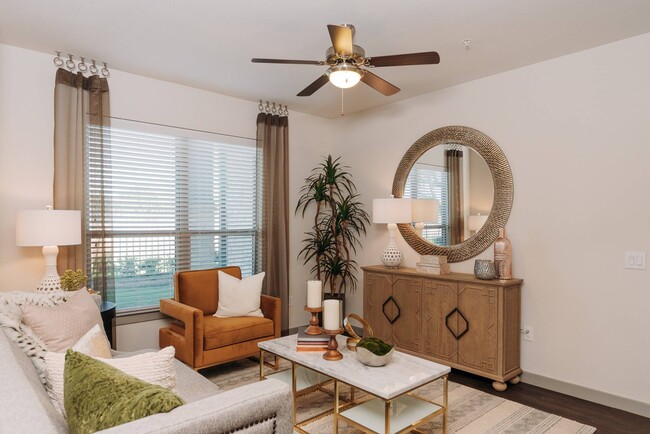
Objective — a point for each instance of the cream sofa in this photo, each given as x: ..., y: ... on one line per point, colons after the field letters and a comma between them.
x: 261, y: 407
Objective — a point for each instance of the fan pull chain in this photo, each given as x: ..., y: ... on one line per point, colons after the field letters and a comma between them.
x: 342, y: 114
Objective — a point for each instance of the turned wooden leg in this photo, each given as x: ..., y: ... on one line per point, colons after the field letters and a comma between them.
x: 515, y: 380
x: 499, y: 386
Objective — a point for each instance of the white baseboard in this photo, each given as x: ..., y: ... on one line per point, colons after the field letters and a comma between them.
x: 604, y: 398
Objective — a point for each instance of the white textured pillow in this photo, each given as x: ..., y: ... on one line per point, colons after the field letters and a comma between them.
x: 239, y: 297
x: 155, y: 367
x: 94, y: 343
x: 61, y: 326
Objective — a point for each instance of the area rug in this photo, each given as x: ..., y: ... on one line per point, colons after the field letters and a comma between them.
x: 470, y: 411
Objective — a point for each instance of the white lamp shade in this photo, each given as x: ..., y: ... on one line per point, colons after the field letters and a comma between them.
x: 425, y: 210
x: 391, y: 210
x: 48, y: 228
x: 476, y: 222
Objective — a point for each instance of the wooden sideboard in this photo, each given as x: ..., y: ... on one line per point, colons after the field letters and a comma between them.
x: 454, y: 319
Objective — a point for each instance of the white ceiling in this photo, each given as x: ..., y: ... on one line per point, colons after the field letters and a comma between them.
x: 208, y: 44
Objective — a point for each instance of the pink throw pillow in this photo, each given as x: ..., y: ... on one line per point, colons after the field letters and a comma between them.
x: 61, y: 326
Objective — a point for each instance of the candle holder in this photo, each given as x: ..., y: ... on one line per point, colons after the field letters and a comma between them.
x: 332, y: 352
x: 313, y: 328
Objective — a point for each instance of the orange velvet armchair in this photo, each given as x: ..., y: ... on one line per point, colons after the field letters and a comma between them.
x: 201, y: 339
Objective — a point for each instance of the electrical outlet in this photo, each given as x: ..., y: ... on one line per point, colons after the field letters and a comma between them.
x: 291, y: 301
x: 529, y: 333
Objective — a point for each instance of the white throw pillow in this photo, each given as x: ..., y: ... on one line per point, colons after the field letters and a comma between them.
x: 61, y: 326
x: 239, y: 297
x: 94, y: 343
x: 155, y: 367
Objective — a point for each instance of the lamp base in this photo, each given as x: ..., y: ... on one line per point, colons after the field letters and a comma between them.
x: 50, y: 281
x: 391, y: 257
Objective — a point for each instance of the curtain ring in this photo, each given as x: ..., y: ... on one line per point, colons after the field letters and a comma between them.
x: 261, y: 106
x: 93, y: 68
x: 105, y: 72
x: 267, y: 107
x: 274, y: 110
x: 70, y: 63
x: 57, y: 60
x: 82, y: 65
x: 286, y: 110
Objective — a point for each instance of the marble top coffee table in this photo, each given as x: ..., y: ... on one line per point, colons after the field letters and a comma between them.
x: 394, y: 410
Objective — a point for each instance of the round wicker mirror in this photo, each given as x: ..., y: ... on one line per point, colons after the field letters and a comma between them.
x: 503, y: 190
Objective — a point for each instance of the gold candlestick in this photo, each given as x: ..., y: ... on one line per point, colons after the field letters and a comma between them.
x: 332, y: 352
x: 313, y: 328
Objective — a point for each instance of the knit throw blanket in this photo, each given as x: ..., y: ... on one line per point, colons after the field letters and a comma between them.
x: 11, y: 322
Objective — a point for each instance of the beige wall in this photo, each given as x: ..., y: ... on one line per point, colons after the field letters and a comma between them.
x: 574, y: 130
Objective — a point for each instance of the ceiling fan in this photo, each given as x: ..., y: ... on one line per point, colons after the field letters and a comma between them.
x: 346, y: 59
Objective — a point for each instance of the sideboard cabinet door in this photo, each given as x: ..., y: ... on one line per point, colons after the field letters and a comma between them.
x: 438, y: 300
x: 377, y: 288
x: 407, y: 324
x: 478, y: 347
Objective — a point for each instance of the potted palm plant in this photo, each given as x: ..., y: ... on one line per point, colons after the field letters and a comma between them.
x: 339, y: 221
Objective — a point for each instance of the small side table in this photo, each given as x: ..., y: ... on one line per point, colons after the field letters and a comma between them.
x: 108, y: 310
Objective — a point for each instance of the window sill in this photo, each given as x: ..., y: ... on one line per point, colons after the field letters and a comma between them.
x: 127, y: 317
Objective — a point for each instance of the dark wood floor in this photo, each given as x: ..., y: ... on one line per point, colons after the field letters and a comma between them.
x: 606, y: 420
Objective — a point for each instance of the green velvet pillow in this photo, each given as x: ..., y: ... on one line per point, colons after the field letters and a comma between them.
x: 98, y: 396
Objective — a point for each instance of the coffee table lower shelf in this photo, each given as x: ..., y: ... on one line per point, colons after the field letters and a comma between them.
x: 306, y: 379
x: 402, y: 414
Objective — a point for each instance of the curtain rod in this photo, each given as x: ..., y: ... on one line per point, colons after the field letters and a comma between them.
x: 180, y: 128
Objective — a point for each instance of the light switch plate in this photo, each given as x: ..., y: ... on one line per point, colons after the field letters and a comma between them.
x: 635, y: 260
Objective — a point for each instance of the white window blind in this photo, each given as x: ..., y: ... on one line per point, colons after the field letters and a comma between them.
x: 426, y: 181
x: 157, y: 203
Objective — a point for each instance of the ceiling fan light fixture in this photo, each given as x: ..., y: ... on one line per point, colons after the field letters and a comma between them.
x: 344, y: 75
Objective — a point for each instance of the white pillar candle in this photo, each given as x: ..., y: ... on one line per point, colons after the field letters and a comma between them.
x: 331, y: 316
x: 314, y: 293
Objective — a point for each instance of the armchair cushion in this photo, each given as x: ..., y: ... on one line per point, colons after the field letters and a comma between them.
x: 221, y: 332
x: 239, y: 297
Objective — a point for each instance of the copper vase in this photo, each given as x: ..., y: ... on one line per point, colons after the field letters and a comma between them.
x: 503, y: 256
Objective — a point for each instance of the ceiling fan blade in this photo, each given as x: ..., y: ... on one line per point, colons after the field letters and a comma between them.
x: 341, y: 39
x: 378, y: 83
x: 293, y: 62
x: 320, y: 82
x: 427, y: 58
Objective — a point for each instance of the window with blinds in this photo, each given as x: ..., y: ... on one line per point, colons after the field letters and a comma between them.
x: 157, y: 203
x: 426, y: 181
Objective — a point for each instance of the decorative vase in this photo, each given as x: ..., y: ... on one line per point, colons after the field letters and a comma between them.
x: 503, y: 256
x: 484, y: 269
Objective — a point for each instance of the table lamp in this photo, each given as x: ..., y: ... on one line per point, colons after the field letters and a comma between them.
x: 391, y: 211
x: 424, y: 211
x: 476, y: 222
x: 48, y: 228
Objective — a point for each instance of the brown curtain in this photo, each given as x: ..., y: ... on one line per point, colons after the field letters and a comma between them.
x: 78, y: 100
x: 454, y: 161
x: 273, y: 207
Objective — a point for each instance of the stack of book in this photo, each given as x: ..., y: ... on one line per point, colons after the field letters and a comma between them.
x: 432, y: 264
x: 311, y: 342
